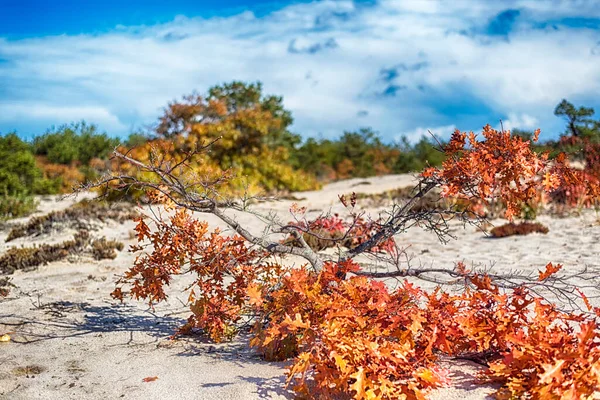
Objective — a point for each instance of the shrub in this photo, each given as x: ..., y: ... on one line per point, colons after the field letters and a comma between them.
x: 16, y: 206
x: 363, y: 154
x: 74, y: 143
x: 78, y: 216
x: 325, y: 232
x: 351, y: 335
x: 250, y: 141
x: 58, y: 178
x: 105, y: 249
x: 27, y: 258
x: 18, y: 171
x: 523, y: 228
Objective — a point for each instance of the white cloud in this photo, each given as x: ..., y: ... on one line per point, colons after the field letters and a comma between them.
x: 43, y: 112
x: 520, y: 121
x: 124, y: 77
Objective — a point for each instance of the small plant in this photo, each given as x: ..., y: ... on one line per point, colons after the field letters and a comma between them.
x: 105, y: 249
x: 5, y: 286
x: 28, y: 258
x: 523, y: 228
x: 325, y: 232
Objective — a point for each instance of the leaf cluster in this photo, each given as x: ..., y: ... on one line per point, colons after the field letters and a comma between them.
x: 504, y: 167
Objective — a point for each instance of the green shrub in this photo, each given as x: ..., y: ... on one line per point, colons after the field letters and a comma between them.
x: 418, y: 156
x: 136, y: 139
x: 16, y: 206
x: 362, y: 154
x: 76, y: 142
x: 18, y: 171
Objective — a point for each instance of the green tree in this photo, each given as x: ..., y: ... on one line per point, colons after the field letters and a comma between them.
x: 579, y: 120
x: 418, y: 156
x: 225, y: 102
x: 18, y: 171
x: 136, y: 139
x: 74, y: 142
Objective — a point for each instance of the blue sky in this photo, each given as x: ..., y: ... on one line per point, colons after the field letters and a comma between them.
x: 401, y: 67
x: 31, y: 18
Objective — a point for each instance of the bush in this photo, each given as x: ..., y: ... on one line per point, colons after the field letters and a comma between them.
x: 326, y: 232
x: 74, y: 143
x: 363, y: 154
x: 28, y: 258
x: 105, y: 249
x: 18, y: 171
x: 249, y: 132
x: 16, y: 206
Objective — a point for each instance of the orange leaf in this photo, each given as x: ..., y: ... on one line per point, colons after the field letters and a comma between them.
x: 255, y: 295
x: 586, y: 301
x: 150, y: 379
x: 296, y: 322
x: 552, y: 371
x: 550, y: 270
x: 550, y: 181
x: 340, y: 362
x: 359, y: 385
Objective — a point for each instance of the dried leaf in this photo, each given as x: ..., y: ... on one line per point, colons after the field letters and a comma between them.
x: 551, y: 269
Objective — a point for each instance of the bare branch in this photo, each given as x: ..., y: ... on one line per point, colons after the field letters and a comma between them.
x: 394, y: 224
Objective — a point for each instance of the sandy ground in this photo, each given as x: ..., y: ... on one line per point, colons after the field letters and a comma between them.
x: 71, y: 341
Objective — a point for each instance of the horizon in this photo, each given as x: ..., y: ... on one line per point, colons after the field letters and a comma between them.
x: 398, y: 67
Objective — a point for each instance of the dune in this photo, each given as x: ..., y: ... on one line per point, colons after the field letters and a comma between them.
x: 70, y: 340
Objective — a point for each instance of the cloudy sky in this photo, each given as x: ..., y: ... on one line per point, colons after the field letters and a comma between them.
x: 399, y: 66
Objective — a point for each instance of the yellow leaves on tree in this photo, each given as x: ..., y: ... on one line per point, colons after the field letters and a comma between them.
x: 248, y: 132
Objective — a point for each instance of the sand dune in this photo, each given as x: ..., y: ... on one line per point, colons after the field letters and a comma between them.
x: 71, y: 341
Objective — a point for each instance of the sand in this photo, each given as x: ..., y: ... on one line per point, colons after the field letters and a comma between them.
x: 70, y: 340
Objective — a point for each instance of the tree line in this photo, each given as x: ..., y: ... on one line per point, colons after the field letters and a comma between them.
x: 252, y: 139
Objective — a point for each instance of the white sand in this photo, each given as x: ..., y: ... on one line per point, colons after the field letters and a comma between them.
x: 88, y: 346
